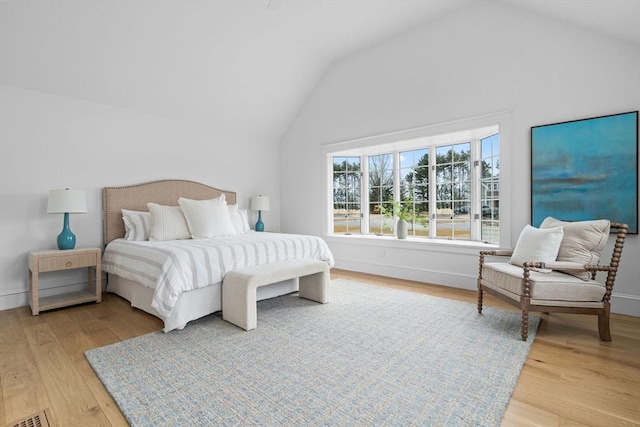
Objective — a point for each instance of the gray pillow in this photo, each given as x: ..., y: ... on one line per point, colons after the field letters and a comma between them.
x: 582, y: 242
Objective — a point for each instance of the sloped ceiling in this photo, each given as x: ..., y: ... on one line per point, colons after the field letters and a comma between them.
x: 244, y: 68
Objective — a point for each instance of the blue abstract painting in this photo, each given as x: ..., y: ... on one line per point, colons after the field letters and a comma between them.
x: 586, y: 169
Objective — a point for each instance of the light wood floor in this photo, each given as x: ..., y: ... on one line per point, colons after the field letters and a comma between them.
x: 570, y: 377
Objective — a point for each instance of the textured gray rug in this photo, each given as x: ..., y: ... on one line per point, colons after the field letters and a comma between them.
x: 372, y: 356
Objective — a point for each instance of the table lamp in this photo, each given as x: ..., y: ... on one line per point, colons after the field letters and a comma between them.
x: 260, y: 203
x: 66, y: 201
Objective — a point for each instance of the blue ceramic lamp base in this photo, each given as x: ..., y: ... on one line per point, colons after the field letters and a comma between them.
x: 66, y: 239
x: 259, y: 225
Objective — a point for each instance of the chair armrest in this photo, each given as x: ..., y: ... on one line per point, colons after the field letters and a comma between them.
x: 564, y: 265
x: 594, y: 268
x: 498, y: 252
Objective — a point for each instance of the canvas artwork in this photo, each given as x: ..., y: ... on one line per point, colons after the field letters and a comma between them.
x: 586, y: 169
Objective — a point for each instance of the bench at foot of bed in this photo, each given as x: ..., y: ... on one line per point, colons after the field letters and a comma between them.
x: 239, y: 287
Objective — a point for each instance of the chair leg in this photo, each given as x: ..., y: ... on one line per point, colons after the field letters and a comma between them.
x: 479, y: 300
x: 603, y: 323
x: 525, y: 325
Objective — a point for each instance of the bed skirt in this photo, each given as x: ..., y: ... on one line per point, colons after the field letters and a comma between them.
x: 191, y: 305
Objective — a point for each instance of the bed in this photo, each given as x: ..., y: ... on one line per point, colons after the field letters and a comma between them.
x: 181, y: 280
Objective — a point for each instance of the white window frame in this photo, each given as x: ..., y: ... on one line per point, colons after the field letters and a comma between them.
x: 440, y: 134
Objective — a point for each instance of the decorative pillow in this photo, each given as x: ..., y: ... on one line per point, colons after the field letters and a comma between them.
x: 236, y: 219
x: 136, y: 224
x: 244, y: 217
x: 583, y: 242
x: 207, y: 218
x: 167, y: 223
x: 537, y: 245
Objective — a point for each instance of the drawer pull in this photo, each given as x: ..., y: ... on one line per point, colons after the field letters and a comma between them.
x: 69, y: 263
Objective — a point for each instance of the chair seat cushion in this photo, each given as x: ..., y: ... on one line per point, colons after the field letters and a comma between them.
x: 555, y: 286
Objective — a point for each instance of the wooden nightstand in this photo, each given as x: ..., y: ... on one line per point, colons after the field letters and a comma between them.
x: 55, y: 260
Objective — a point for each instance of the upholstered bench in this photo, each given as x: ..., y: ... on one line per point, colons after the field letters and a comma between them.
x: 239, y: 287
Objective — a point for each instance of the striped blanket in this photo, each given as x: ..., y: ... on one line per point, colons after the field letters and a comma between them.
x: 177, y: 266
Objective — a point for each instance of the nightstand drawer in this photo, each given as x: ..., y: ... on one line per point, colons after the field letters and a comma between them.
x: 66, y: 262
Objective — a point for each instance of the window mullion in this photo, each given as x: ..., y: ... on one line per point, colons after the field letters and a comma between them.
x: 396, y: 176
x: 476, y: 171
x: 432, y: 192
x: 364, y: 195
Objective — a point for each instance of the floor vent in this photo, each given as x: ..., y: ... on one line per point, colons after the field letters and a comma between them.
x: 37, y: 420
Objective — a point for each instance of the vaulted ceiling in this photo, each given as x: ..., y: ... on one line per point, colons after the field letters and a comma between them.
x: 241, y: 67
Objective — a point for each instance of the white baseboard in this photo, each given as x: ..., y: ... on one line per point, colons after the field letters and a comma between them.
x: 625, y: 304
x: 14, y: 300
x: 443, y: 278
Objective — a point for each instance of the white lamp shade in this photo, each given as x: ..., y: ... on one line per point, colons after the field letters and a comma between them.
x: 67, y: 201
x: 260, y: 203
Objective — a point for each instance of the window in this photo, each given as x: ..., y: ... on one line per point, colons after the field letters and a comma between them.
x: 490, y: 187
x: 346, y: 195
x: 414, y: 188
x: 453, y: 191
x: 380, y: 193
x: 450, y: 182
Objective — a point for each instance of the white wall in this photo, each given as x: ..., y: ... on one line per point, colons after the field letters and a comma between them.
x: 49, y: 142
x: 485, y: 59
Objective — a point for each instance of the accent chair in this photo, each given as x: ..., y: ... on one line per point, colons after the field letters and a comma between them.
x: 534, y: 278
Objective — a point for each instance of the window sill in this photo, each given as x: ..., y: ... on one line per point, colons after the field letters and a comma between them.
x: 412, y: 243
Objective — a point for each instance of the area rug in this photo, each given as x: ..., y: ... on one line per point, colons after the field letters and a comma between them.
x: 372, y: 356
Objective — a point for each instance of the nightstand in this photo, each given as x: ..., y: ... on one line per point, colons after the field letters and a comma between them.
x: 56, y: 260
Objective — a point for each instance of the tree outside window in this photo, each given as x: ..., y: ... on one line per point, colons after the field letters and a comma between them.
x: 453, y: 191
x: 414, y: 188
x: 346, y: 195
x: 380, y: 193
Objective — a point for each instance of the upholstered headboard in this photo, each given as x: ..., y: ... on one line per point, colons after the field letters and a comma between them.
x: 136, y: 197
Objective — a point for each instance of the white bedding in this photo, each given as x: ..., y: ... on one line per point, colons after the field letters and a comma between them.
x: 173, y: 267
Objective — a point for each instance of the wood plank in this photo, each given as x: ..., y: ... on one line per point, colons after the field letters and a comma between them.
x: 23, y: 391
x: 142, y: 320
x: 572, y: 401
x: 69, y: 395
x: 8, y: 316
x: 585, y: 358
x: 28, y: 319
x: 97, y: 331
x: 93, y: 417
x: 72, y: 339
x: 519, y: 414
x: 125, y: 321
x: 106, y: 402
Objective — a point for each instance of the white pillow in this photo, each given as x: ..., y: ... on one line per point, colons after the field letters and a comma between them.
x: 207, y: 218
x: 240, y: 219
x: 582, y: 242
x: 136, y: 224
x: 167, y: 223
x: 236, y: 219
x: 244, y: 217
x: 537, y: 245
